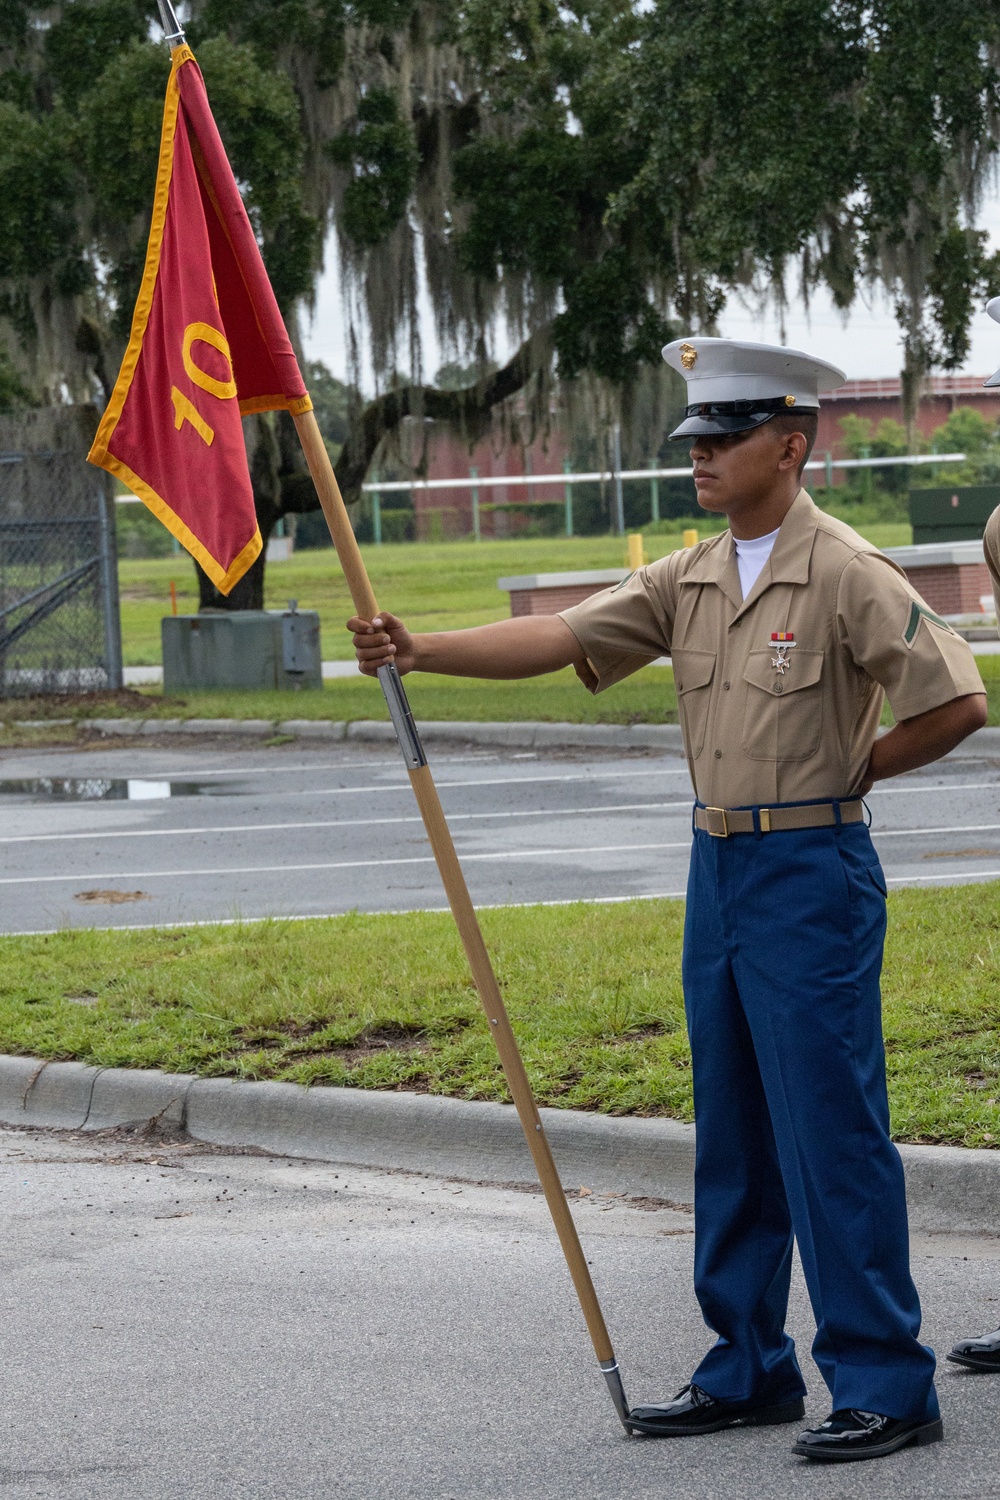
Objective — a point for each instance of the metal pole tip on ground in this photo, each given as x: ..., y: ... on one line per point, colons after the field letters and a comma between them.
x: 453, y: 880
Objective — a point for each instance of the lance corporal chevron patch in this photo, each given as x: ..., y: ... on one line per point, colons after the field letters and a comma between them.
x: 912, y: 624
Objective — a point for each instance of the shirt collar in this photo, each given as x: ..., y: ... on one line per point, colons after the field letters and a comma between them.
x: 788, y: 562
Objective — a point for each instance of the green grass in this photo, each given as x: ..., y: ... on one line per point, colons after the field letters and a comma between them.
x: 648, y: 697
x: 386, y: 1003
x: 433, y: 586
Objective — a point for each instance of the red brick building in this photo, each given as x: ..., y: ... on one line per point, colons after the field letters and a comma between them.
x: 448, y: 513
x: 876, y: 399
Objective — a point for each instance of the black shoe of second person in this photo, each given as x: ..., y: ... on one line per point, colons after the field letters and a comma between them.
x: 694, y: 1412
x: 978, y: 1354
x: 851, y: 1434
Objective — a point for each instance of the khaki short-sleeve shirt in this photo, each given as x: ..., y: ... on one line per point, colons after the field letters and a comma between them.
x: 763, y: 725
x: 991, y: 547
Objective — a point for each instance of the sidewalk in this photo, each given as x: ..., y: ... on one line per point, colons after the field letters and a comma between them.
x: 153, y: 676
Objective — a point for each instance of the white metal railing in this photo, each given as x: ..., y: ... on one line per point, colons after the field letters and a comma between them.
x: 601, y: 476
x: 475, y: 481
x: 482, y: 481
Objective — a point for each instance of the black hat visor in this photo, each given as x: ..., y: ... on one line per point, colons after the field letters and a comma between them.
x: 722, y: 418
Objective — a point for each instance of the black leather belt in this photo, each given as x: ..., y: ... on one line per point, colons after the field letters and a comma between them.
x: 720, y: 822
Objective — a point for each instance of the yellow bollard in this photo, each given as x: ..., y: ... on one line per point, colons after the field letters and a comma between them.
x: 691, y: 538
x: 636, y: 556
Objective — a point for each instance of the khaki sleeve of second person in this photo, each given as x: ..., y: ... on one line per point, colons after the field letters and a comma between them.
x: 991, y: 547
x: 896, y: 638
x: 624, y: 628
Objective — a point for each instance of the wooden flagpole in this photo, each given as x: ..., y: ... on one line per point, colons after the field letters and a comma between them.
x: 452, y: 877
x: 462, y: 908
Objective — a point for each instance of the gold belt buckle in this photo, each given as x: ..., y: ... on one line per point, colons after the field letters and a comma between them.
x: 713, y: 833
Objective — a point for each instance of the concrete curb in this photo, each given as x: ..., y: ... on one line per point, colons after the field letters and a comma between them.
x: 526, y: 735
x: 948, y: 1188
x: 126, y: 1096
x: 61, y: 1098
x: 521, y: 735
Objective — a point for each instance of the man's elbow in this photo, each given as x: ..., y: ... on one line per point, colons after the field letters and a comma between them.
x: 968, y: 714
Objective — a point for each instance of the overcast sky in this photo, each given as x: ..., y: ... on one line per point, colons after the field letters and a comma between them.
x: 865, y: 346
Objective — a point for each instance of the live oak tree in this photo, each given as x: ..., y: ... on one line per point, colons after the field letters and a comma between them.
x: 672, y: 153
x: 82, y: 97
x: 590, y: 177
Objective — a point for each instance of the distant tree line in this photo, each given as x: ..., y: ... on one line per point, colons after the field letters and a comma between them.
x: 591, y: 176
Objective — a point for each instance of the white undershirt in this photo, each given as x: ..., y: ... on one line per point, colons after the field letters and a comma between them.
x: 751, y: 556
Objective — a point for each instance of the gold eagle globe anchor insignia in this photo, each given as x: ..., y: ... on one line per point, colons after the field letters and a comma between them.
x: 689, y: 356
x: 782, y: 642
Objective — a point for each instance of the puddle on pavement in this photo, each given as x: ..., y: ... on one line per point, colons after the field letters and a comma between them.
x: 103, y: 789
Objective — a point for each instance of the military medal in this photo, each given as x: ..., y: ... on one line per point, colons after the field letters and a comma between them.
x: 782, y: 642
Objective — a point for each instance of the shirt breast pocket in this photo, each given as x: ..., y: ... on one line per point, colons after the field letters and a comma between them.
x: 693, y: 673
x: 783, y: 717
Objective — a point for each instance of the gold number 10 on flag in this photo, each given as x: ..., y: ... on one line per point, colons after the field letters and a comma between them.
x: 185, y: 410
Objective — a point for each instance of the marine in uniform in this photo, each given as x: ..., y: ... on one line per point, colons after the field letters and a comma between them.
x: 983, y: 1353
x: 785, y: 632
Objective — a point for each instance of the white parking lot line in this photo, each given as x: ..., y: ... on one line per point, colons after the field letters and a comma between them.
x: 185, y: 832
x: 190, y: 830
x: 898, y: 833
x: 505, y: 781
x: 312, y: 916
x: 911, y: 789
x: 347, y: 864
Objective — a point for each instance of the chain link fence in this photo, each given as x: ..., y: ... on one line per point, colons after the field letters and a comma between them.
x: 59, y: 622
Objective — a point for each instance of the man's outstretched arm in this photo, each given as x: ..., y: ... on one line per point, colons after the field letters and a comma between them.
x: 523, y: 647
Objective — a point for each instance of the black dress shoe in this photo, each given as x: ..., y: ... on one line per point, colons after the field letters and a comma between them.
x: 846, y: 1435
x: 693, y: 1411
x: 978, y: 1354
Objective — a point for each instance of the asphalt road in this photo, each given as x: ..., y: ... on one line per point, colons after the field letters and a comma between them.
x: 187, y: 833
x: 181, y: 1324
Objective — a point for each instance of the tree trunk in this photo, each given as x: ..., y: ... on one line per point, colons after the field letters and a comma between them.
x: 264, y: 456
x: 912, y: 378
x: 282, y: 485
x: 468, y: 410
x: 247, y: 594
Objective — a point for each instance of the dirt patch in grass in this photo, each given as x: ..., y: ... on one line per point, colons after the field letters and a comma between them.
x: 297, y: 1040
x: 73, y: 705
x: 636, y: 1033
x: 384, y: 1039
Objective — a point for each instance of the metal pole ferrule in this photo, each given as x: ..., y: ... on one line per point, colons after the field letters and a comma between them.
x: 173, y: 32
x: 612, y: 1374
x: 401, y: 716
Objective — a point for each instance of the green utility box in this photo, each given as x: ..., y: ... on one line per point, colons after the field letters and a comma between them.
x: 954, y: 515
x: 246, y: 648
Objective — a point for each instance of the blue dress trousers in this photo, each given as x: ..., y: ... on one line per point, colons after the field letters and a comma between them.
x: 782, y: 955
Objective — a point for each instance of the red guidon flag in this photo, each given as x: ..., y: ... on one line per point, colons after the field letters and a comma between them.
x: 208, y: 345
